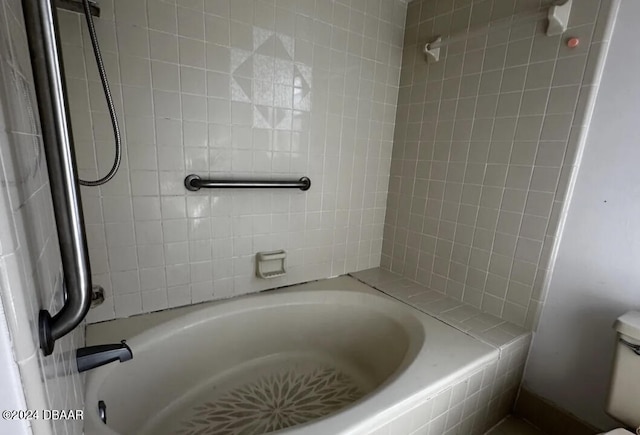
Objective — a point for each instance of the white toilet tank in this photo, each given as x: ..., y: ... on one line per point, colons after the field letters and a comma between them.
x: 623, y: 403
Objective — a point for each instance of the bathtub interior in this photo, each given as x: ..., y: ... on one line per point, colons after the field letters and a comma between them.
x: 346, y: 351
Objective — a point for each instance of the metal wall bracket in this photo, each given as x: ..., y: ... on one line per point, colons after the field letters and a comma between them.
x: 559, y: 18
x: 432, y: 50
x: 97, y: 296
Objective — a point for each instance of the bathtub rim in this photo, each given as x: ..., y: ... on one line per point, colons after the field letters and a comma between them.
x: 387, y: 400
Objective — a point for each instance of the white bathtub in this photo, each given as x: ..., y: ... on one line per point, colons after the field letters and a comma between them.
x: 366, y: 357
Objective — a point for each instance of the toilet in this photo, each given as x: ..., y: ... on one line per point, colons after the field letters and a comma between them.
x: 623, y: 402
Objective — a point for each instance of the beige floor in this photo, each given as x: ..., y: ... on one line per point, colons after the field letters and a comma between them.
x: 514, y: 426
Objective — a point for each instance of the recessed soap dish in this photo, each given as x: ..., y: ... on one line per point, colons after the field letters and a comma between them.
x: 270, y: 264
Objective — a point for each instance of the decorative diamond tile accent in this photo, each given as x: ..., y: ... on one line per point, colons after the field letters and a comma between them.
x: 263, y: 67
x: 282, y: 119
x: 238, y: 58
x: 241, y: 90
x: 245, y: 69
x: 282, y: 52
x: 262, y: 117
x: 271, y: 62
x: 263, y: 39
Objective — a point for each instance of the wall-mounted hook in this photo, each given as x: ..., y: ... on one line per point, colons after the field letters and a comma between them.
x: 432, y: 50
x: 559, y: 18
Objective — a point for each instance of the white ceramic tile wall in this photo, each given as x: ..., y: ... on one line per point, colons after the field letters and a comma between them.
x: 464, y: 317
x: 482, y: 399
x: 485, y: 144
x: 30, y: 268
x: 242, y: 88
x: 471, y: 405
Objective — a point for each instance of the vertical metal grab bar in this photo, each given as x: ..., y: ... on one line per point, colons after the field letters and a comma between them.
x: 42, y: 30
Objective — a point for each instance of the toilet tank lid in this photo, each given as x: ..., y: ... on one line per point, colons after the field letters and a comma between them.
x: 629, y: 324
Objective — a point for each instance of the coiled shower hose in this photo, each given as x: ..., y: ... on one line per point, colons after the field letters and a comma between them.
x: 109, y: 98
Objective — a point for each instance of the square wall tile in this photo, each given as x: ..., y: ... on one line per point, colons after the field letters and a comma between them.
x: 240, y: 89
x: 494, y: 117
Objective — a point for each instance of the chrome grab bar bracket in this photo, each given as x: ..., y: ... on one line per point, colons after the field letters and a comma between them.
x: 191, y: 182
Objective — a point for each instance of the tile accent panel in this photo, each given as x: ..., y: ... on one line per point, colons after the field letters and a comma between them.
x: 30, y: 267
x: 485, y: 144
x: 233, y: 88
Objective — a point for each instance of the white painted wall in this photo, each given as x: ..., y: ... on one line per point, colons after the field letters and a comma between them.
x: 12, y: 397
x: 597, y: 273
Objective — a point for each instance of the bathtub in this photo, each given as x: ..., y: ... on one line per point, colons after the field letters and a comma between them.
x: 329, y: 357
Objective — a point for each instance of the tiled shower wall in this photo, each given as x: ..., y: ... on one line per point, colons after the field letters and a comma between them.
x: 485, y: 144
x: 30, y: 267
x: 233, y: 88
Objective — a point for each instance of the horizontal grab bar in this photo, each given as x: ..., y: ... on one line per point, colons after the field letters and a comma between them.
x: 194, y: 183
